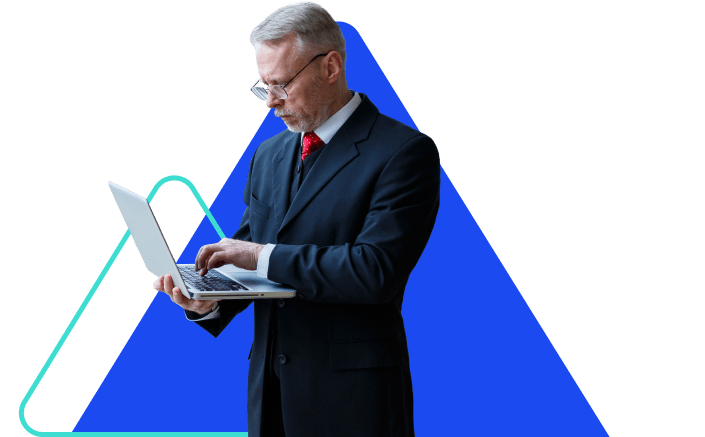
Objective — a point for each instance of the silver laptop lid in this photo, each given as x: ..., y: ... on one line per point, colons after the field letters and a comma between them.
x: 147, y: 235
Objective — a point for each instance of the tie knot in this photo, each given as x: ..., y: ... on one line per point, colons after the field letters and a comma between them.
x: 312, y: 142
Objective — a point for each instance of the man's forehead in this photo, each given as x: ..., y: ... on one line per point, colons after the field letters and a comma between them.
x: 275, y: 60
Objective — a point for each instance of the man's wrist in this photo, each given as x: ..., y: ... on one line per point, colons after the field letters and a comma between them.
x: 196, y: 315
x: 213, y: 308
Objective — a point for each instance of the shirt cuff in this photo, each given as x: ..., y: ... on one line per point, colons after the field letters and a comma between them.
x: 263, y: 260
x: 195, y: 317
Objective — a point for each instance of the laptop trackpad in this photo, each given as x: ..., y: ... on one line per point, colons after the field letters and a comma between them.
x: 250, y: 279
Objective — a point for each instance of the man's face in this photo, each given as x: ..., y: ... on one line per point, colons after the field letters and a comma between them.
x: 308, y: 103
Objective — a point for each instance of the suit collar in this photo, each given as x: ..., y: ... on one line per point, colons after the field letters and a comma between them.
x: 360, y: 122
x: 335, y: 155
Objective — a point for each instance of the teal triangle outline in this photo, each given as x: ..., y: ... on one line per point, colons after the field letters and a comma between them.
x: 83, y: 306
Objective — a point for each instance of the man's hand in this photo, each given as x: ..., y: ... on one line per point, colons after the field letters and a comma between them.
x: 241, y: 254
x: 166, y: 284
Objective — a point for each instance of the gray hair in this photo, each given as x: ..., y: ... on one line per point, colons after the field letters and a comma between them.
x: 315, y: 29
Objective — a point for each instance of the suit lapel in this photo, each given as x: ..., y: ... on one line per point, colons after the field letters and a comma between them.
x: 282, y: 174
x: 335, y: 155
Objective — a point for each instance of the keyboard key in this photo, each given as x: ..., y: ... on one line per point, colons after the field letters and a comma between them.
x: 212, y: 281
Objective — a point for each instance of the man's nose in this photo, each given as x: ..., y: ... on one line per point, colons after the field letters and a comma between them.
x: 272, y: 101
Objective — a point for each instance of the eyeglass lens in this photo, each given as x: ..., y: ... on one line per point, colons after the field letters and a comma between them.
x: 261, y: 91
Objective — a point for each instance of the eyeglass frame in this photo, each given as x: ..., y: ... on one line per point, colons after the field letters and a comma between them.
x: 252, y: 88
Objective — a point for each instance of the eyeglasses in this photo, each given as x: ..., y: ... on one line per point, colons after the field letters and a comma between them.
x: 260, y: 89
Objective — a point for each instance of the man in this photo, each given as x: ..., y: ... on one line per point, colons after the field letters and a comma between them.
x: 340, y: 206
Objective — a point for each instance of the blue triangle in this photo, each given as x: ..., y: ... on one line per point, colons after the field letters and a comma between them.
x: 481, y: 364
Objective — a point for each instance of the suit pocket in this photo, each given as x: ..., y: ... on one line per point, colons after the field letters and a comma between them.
x: 259, y: 207
x: 363, y: 354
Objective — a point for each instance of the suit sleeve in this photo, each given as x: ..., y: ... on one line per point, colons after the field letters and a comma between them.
x: 232, y: 307
x: 396, y: 228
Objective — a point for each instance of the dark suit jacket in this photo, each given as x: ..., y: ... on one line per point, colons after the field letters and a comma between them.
x: 347, y: 244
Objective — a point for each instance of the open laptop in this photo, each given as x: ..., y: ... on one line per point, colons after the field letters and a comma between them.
x: 227, y: 282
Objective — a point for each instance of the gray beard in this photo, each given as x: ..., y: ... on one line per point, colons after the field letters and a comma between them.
x: 306, y: 123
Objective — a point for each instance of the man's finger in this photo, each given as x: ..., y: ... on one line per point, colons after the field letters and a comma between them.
x: 203, y: 267
x: 216, y: 260
x: 168, y: 286
x: 177, y: 297
x: 203, y: 255
x: 158, y: 283
x: 198, y: 255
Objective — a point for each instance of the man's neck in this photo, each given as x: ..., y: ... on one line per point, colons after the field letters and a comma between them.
x: 328, y: 128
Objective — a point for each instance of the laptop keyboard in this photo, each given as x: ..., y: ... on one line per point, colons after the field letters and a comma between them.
x: 212, y: 281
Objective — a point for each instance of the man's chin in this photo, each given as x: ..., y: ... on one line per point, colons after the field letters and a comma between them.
x: 299, y: 124
x: 293, y: 126
x: 295, y: 129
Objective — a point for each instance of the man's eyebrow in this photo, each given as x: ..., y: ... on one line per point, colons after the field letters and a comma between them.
x: 273, y: 81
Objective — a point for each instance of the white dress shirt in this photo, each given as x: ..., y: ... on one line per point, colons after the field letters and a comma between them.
x: 325, y: 132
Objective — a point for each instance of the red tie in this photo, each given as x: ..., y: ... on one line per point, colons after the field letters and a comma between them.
x: 311, y: 143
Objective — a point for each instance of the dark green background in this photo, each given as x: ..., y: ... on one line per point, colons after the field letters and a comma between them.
x: 574, y: 134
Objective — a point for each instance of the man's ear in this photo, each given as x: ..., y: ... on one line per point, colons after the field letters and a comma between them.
x: 333, y: 67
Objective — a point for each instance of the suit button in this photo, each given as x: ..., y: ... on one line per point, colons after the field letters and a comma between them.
x: 298, y: 169
x: 280, y: 302
x: 282, y: 359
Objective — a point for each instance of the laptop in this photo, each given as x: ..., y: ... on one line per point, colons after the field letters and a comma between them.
x: 227, y: 282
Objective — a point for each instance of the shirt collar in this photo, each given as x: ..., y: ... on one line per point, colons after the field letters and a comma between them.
x: 328, y: 129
